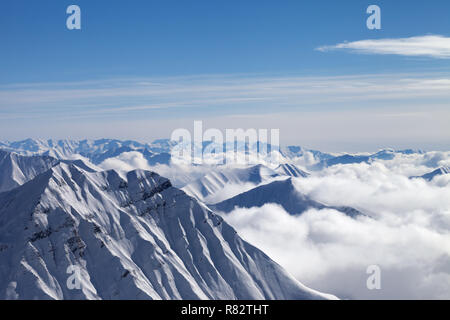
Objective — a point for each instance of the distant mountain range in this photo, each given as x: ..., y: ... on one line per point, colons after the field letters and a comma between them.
x: 159, y: 151
x: 387, y: 154
x: 96, y: 151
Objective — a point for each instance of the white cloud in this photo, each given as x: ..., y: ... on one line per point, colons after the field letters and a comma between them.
x: 125, y: 162
x: 433, y: 46
x: 275, y: 91
x: 407, y: 233
x: 179, y: 175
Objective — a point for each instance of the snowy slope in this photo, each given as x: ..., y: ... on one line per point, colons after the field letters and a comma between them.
x: 133, y: 237
x: 15, y: 170
x: 281, y: 192
x: 291, y: 170
x: 221, y: 178
x: 57, y: 149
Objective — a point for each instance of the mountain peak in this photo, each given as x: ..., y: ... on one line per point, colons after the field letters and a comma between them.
x: 281, y: 192
x: 291, y: 170
x: 438, y: 172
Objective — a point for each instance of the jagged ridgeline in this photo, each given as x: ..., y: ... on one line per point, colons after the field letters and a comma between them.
x: 132, y: 236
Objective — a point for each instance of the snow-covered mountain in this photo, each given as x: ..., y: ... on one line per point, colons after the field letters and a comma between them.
x: 226, y: 182
x: 15, y: 169
x: 438, y: 172
x: 280, y: 192
x: 159, y: 152
x: 131, y: 237
x: 385, y: 154
x: 96, y: 151
x: 292, y: 152
x: 244, y: 178
x: 291, y: 170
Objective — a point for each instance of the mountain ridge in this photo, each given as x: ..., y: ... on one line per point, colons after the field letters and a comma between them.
x: 132, y: 237
x: 281, y: 192
x: 438, y: 172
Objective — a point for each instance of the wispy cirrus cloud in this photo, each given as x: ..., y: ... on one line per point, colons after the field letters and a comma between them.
x: 137, y: 95
x: 431, y: 46
x: 385, y: 109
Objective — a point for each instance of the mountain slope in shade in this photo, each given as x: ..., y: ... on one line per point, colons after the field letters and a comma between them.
x: 438, y: 172
x: 280, y: 192
x: 133, y: 237
x: 15, y: 169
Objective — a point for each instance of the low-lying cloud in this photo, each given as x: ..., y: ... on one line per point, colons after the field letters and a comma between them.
x: 126, y: 161
x: 406, y: 231
x: 179, y: 175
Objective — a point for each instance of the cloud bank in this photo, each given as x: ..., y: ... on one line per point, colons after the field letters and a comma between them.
x: 406, y: 232
x: 432, y: 46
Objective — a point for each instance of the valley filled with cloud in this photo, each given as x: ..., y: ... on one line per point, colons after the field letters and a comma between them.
x: 405, y: 230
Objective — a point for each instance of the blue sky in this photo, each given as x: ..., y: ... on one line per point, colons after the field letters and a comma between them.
x: 147, y: 67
